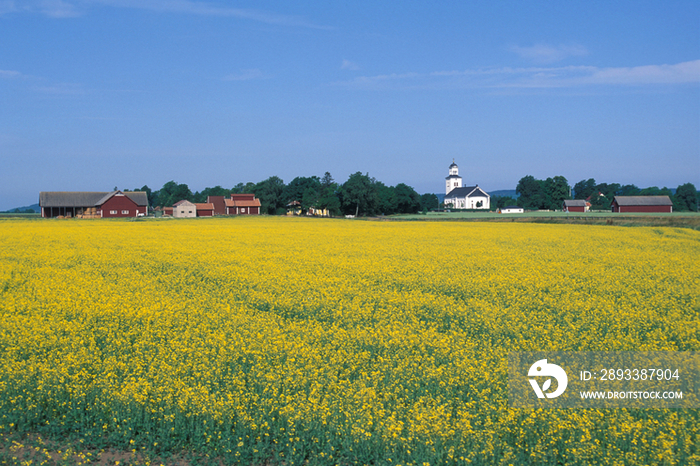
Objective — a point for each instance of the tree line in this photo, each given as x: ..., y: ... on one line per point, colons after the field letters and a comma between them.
x: 550, y: 194
x: 360, y: 195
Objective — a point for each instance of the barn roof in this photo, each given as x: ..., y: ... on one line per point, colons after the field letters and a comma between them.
x: 242, y: 203
x: 205, y: 206
x: 86, y: 198
x: 139, y: 197
x: 243, y: 196
x: 642, y: 200
x: 574, y: 203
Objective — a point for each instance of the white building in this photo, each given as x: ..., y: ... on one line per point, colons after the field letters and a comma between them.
x: 184, y: 209
x: 464, y: 197
x: 512, y: 209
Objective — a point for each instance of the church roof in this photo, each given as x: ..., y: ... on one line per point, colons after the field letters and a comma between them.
x: 453, y: 177
x: 453, y: 165
x: 467, y: 191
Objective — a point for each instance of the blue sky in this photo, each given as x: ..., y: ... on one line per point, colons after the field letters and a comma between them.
x: 102, y: 93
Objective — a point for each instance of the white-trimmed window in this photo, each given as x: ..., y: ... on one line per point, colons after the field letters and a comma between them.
x: 125, y: 212
x: 112, y: 212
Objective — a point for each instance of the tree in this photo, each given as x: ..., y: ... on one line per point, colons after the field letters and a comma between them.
x: 531, y: 192
x: 241, y: 188
x: 584, y: 188
x: 655, y: 191
x: 608, y: 190
x: 385, y: 199
x: 301, y: 187
x: 328, y: 197
x: 556, y: 190
x: 357, y: 194
x: 215, y: 191
x: 309, y: 198
x: 172, y: 192
x: 600, y: 201
x: 269, y: 192
x: 500, y: 202
x: 429, y: 201
x: 686, y: 198
x: 408, y: 201
x: 628, y: 190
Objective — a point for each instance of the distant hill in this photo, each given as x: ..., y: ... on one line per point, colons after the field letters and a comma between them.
x: 34, y: 207
x: 504, y: 192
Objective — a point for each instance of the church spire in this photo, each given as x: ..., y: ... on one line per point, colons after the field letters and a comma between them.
x: 453, y: 180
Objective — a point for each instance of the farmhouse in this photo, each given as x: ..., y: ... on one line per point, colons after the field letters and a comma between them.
x: 575, y: 205
x: 464, y: 197
x: 90, y: 204
x: 242, y: 204
x: 642, y: 204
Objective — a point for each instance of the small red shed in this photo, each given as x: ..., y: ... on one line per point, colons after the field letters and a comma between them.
x: 575, y: 205
x: 205, y: 210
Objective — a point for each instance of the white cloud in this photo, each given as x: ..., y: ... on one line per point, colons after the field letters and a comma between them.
x: 536, y: 77
x: 71, y: 8
x: 543, y: 53
x: 60, y: 89
x: 10, y: 74
x: 58, y: 9
x: 51, y: 8
x: 246, y: 75
x: 348, y: 65
x: 686, y: 72
x: 7, y: 6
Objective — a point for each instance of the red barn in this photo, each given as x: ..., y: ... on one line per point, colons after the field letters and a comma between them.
x: 243, y: 204
x: 626, y: 204
x: 205, y: 210
x: 219, y: 204
x: 575, y: 205
x: 93, y: 204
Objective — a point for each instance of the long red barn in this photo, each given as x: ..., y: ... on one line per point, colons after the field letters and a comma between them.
x: 626, y: 204
x: 93, y: 204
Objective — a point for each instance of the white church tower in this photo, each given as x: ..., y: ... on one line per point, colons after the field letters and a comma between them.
x: 453, y: 180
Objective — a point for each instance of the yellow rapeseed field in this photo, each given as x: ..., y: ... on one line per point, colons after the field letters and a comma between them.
x: 307, y: 341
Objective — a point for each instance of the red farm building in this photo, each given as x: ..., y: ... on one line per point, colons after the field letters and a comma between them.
x: 626, y: 204
x: 575, y: 205
x: 205, y: 210
x: 242, y: 204
x: 93, y: 204
x: 219, y: 203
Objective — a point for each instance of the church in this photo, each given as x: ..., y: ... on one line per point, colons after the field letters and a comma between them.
x: 464, y: 197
